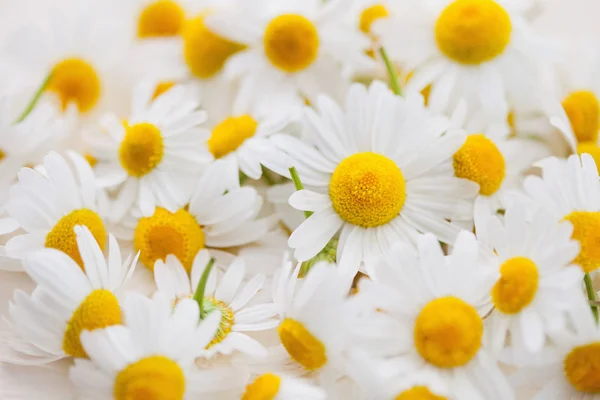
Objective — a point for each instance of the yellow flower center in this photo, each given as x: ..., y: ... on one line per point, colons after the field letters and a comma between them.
x: 291, y: 42
x: 159, y: 19
x: 265, y: 387
x: 473, y: 31
x: 592, y: 149
x: 367, y: 189
x: 419, y: 393
x: 161, y: 88
x: 301, y: 345
x: 480, y: 161
x: 99, y: 310
x: 142, y: 149
x: 167, y: 233
x: 448, y: 332
x: 75, y: 80
x: 583, y: 109
x: 206, y: 52
x: 582, y: 368
x: 227, y: 318
x: 2, y: 154
x: 228, y: 135
x: 62, y: 236
x: 151, y: 378
x: 370, y: 15
x: 90, y: 159
x: 425, y: 92
x: 517, y: 285
x: 586, y: 230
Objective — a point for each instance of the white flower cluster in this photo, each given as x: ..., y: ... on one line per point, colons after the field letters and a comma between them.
x: 320, y: 199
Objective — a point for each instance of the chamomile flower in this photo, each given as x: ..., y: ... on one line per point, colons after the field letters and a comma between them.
x: 537, y: 284
x: 228, y: 297
x: 160, y: 19
x: 48, y: 206
x: 68, y: 299
x: 152, y: 356
x: 155, y: 156
x: 382, y: 172
x: 462, y: 46
x: 292, y: 49
x: 274, y: 386
x: 219, y: 215
x: 432, y: 315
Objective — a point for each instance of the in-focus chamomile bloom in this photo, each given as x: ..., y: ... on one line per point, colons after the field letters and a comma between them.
x: 274, y: 386
x: 481, y: 50
x: 225, y: 295
x: 537, y: 284
x: 155, y: 156
x: 293, y: 49
x: 382, y: 169
x: 152, y: 356
x: 68, y: 299
x: 47, y: 206
x: 569, y: 190
x: 432, y: 315
x: 219, y: 215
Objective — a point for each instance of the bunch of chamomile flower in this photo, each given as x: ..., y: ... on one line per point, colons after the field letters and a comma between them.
x: 298, y: 200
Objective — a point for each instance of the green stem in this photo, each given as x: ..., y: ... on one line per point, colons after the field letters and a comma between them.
x: 299, y: 186
x: 35, y: 99
x: 591, y: 294
x: 391, y: 72
x: 199, y: 295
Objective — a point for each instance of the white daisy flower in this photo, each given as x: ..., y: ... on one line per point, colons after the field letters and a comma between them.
x: 293, y: 49
x: 275, y: 386
x: 462, y: 46
x: 428, y: 298
x: 69, y: 299
x: 157, y: 341
x: 160, y: 19
x: 229, y: 298
x: 537, y: 284
x: 47, y: 207
x: 383, y: 173
x: 155, y: 156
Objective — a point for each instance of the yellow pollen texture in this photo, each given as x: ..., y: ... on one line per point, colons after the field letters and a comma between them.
x: 227, y: 318
x: 206, y: 52
x: 142, y: 149
x: 480, y: 161
x: 419, y: 393
x: 159, y: 19
x: 291, y: 42
x: 75, y: 81
x: 62, y: 236
x: 370, y: 15
x: 517, y: 285
x: 167, y: 233
x: 583, y: 109
x: 448, y: 332
x: 99, y: 310
x: 265, y: 387
x: 473, y: 31
x: 367, y: 189
x: 586, y: 230
x: 151, y: 378
x: 228, y: 135
x: 301, y: 345
x: 161, y: 88
x: 582, y: 368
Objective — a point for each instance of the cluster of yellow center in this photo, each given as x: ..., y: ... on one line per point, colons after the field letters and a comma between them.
x: 151, y: 378
x: 142, y: 149
x: 301, y: 345
x: 228, y: 135
x: 75, y: 81
x: 370, y: 15
x: 480, y: 161
x: 265, y: 387
x: 448, y: 332
x: 62, y: 236
x: 159, y: 19
x: 367, y: 189
x: 582, y: 368
x: 583, y: 109
x: 517, y: 285
x: 291, y: 42
x: 227, y: 318
x: 586, y: 230
x: 99, y: 310
x: 473, y: 31
x: 205, y: 52
x: 419, y: 393
x: 167, y: 233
